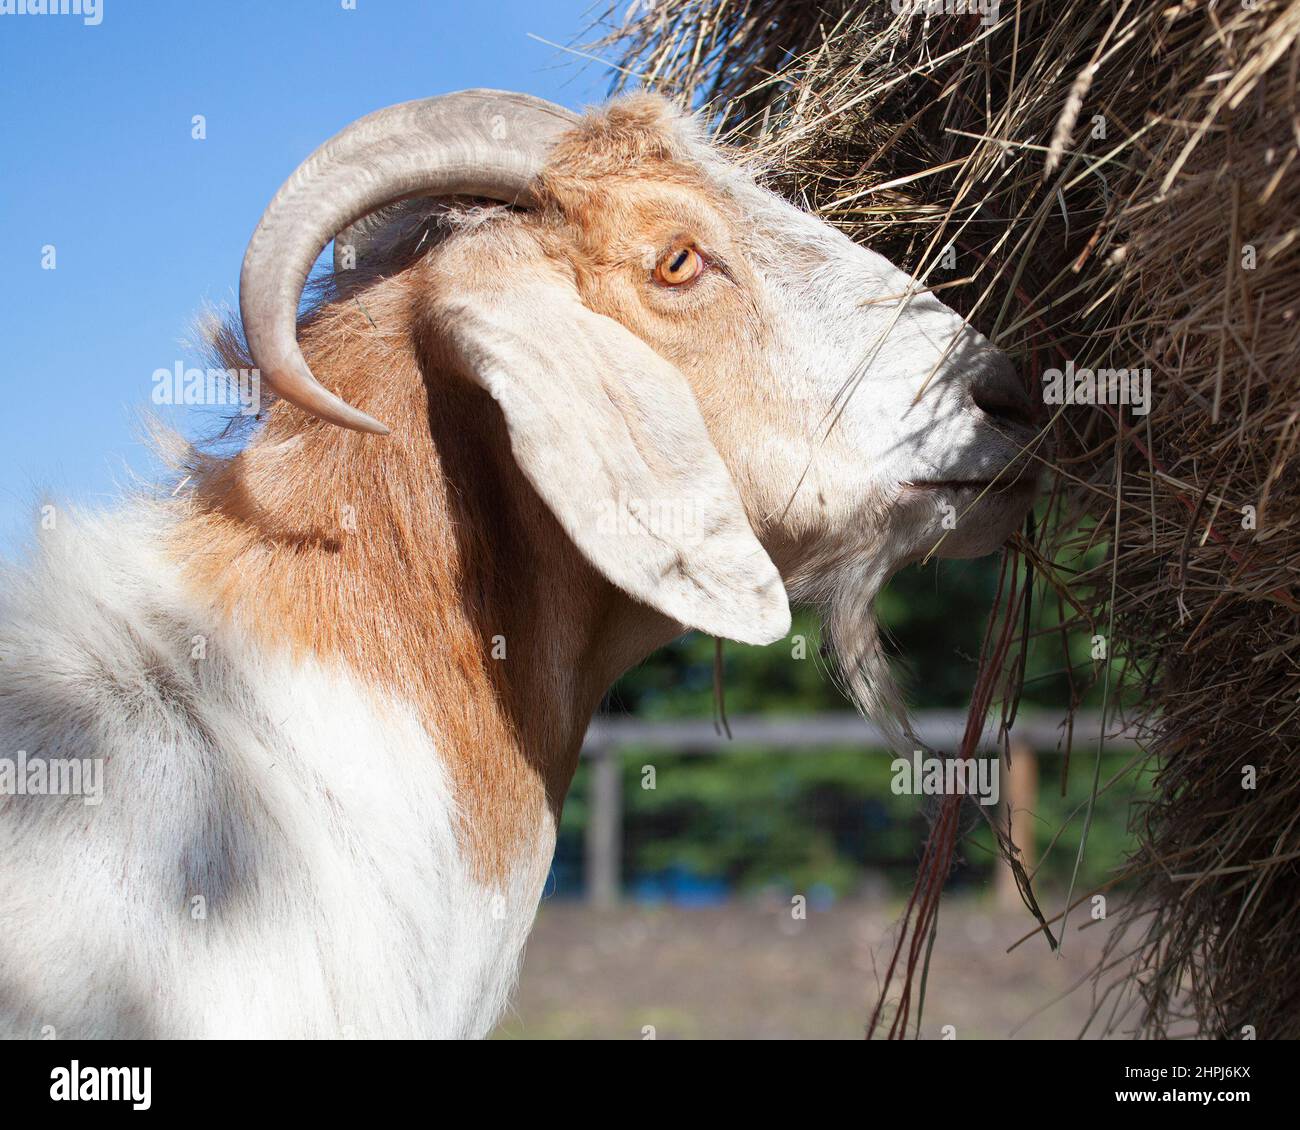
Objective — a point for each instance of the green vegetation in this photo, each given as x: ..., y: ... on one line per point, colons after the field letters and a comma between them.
x: 826, y: 820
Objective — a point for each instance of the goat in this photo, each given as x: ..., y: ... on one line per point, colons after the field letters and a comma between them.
x: 339, y: 680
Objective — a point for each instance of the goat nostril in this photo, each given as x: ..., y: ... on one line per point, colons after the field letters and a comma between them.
x: 1003, y: 400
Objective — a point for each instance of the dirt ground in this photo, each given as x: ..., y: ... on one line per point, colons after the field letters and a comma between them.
x: 750, y: 971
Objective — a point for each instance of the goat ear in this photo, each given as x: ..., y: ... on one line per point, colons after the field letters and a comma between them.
x: 610, y: 436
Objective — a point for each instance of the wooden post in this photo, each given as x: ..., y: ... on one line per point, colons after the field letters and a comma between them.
x: 604, y: 845
x: 1020, y: 797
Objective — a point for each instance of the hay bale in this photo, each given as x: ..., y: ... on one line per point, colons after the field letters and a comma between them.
x: 1121, y: 185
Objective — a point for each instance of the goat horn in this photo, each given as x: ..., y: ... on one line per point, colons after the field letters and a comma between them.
x: 486, y: 143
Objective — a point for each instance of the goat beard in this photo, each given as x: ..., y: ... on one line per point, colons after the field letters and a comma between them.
x: 855, y: 640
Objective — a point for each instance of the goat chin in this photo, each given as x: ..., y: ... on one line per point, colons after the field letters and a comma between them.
x: 864, y: 670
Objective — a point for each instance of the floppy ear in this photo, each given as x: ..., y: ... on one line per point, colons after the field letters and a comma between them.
x: 610, y: 435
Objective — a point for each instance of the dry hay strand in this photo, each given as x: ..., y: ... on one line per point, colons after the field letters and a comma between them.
x: 1119, y: 181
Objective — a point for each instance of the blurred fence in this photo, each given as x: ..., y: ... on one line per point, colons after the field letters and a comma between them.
x: 609, y: 738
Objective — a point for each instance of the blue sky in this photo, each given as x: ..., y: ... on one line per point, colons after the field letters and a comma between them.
x: 149, y: 225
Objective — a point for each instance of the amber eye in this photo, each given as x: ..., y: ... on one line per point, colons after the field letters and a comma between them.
x: 679, y: 266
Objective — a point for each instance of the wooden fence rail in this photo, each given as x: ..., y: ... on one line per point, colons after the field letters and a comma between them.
x: 609, y: 738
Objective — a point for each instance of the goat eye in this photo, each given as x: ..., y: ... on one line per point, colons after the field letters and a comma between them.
x: 679, y: 266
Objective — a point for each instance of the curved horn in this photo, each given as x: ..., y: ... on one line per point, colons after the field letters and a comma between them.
x: 475, y: 143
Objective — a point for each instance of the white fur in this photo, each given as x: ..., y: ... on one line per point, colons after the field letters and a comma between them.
x: 314, y: 821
